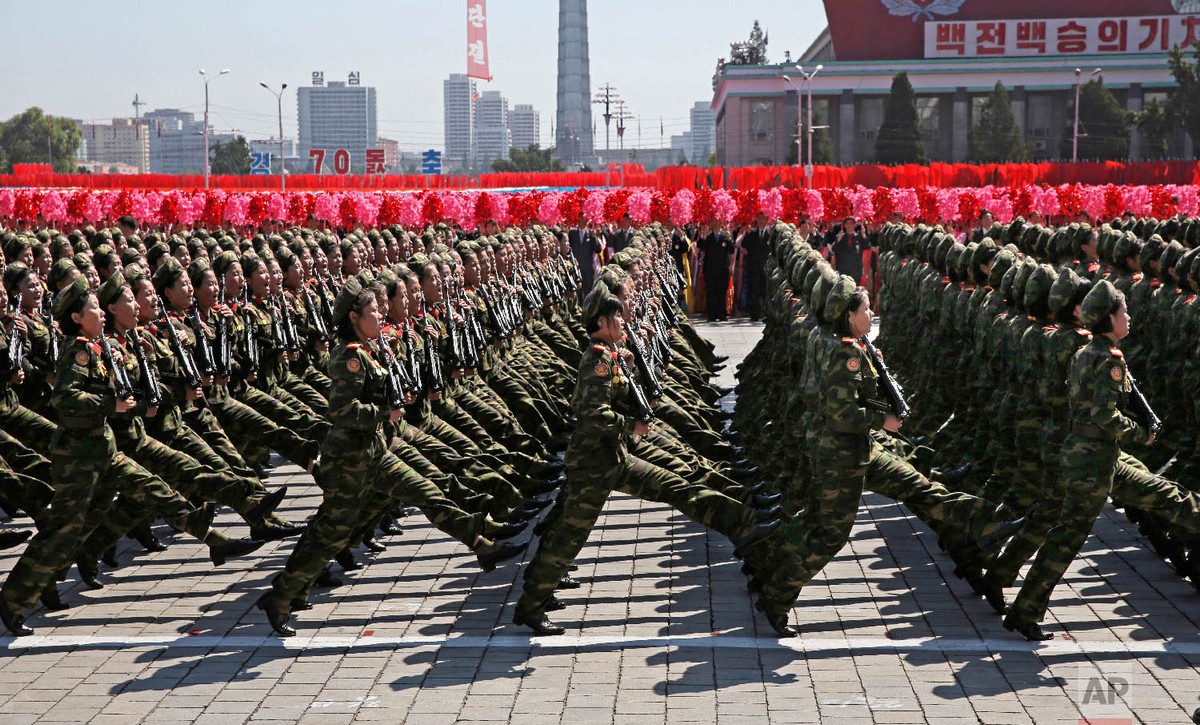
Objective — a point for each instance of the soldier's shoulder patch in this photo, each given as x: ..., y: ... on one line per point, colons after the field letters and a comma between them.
x: 1117, y: 373
x: 852, y: 364
x: 1138, y: 276
x: 849, y: 340
x: 1049, y: 328
x: 602, y: 370
x: 354, y: 364
x: 1083, y: 331
x: 81, y: 358
x: 598, y: 348
x: 1116, y: 352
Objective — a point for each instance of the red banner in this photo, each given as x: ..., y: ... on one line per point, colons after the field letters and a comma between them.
x: 477, y: 45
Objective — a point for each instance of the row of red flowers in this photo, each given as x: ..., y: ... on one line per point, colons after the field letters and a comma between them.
x: 469, y: 209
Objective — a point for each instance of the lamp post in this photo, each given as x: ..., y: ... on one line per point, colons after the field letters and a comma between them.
x: 279, y: 102
x: 1076, y: 135
x: 808, y: 168
x: 206, y: 159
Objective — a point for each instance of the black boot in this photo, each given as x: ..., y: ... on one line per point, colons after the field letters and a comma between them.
x: 14, y: 623
x: 1028, y: 629
x: 275, y: 532
x: 327, y: 579
x: 539, y: 623
x: 345, y: 559
x: 50, y: 599
x: 569, y: 582
x: 145, y: 536
x: 503, y: 552
x: 777, y: 620
x: 376, y: 546
x: 88, y: 573
x: 220, y: 553
x: 109, y: 557
x: 554, y: 604
x: 279, y: 622
x: 269, y: 503
x: 9, y: 539
x: 990, y: 543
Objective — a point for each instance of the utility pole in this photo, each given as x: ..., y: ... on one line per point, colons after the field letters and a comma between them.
x: 137, y: 115
x: 622, y: 115
x: 607, y: 97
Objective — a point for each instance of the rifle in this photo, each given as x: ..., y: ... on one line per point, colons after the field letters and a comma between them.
x: 16, y: 344
x: 150, y: 392
x: 457, y: 353
x: 394, y: 388
x: 55, y: 337
x: 326, y: 306
x: 124, y: 389
x: 187, y: 364
x: 637, y: 397
x: 223, y: 343
x: 207, y: 362
x: 253, y: 354
x: 891, y: 388
x: 1142, y: 409
x: 653, y: 389
x: 414, y: 364
x: 314, y: 314
x: 435, y: 381
x: 282, y: 312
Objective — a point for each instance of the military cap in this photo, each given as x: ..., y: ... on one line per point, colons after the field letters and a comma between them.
x: 827, y: 277
x: 418, y: 262
x: 1037, y: 286
x: 1098, y: 304
x: 14, y: 274
x: 595, y: 298
x: 59, y: 271
x: 223, y: 262
x: 251, y: 262
x: 70, y: 294
x: 1170, y: 256
x: 840, y: 296
x: 1186, y: 266
x: 1063, y: 289
x: 111, y: 289
x: 134, y: 273
x: 168, y: 273
x: 1151, y: 251
x: 348, y: 299
x: 59, y: 246
x: 197, y: 268
x: 1001, y: 264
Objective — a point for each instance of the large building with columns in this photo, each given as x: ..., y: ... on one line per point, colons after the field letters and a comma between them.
x: 954, y: 52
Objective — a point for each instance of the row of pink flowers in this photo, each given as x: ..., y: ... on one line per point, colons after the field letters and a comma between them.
x: 470, y: 209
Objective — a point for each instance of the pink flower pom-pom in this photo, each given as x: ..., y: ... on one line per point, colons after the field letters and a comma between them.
x: 236, y: 208
x: 1137, y: 200
x: 1189, y: 199
x: 681, y: 207
x: 108, y: 200
x: 771, y: 203
x: 93, y: 208
x: 499, y: 204
x: 1093, y: 202
x: 147, y: 207
x: 8, y: 202
x: 815, y: 208
x: 328, y: 207
x: 1045, y: 201
x: 460, y: 209
x: 366, y: 208
x: 593, y: 206
x: 725, y: 207
x: 947, y: 204
x: 191, y: 207
x: 905, y: 201
x: 277, y: 207
x: 410, y: 211
x: 1001, y: 207
x: 547, y: 212
x: 638, y: 207
x: 862, y: 202
x: 54, y: 207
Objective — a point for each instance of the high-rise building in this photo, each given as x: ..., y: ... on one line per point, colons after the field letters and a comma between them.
x: 121, y: 142
x: 492, y: 137
x: 573, y: 119
x: 704, y: 133
x: 525, y: 125
x: 337, y: 115
x: 391, y: 153
x: 177, y: 141
x: 458, y: 121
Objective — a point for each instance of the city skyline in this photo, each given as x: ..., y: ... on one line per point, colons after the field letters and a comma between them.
x: 658, y: 79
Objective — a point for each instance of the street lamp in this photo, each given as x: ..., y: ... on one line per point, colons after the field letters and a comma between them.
x: 808, y: 168
x: 279, y: 101
x: 1076, y: 135
x: 206, y: 160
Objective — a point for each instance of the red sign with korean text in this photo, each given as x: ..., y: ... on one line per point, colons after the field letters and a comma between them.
x: 898, y: 29
x: 1061, y: 36
x: 477, y: 45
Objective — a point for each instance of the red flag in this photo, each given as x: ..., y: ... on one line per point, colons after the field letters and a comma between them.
x: 477, y: 45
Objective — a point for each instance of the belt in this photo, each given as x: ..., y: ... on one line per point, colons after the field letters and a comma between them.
x: 80, y: 423
x: 1081, y: 430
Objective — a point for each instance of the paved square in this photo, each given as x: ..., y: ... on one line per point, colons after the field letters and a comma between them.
x: 663, y: 631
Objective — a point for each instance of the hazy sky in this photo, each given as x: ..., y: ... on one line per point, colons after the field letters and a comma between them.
x: 88, y: 59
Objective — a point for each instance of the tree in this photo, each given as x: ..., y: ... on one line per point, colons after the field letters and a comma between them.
x: 530, y: 159
x: 899, y: 140
x: 28, y: 137
x: 1185, y: 102
x: 822, y: 146
x: 997, y: 138
x: 231, y: 158
x: 1156, y: 123
x: 1103, y: 125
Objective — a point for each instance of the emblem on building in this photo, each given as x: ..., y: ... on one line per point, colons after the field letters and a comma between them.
x: 917, y: 9
x: 1186, y: 6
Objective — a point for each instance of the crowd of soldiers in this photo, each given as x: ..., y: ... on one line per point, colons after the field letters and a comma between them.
x: 150, y: 376
x: 1012, y: 366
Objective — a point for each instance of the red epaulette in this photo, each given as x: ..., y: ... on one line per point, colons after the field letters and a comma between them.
x: 945, y: 280
x: 969, y: 289
x: 1083, y: 331
x: 1116, y: 352
x: 353, y: 346
x: 1049, y: 328
x: 1031, y: 318
x: 1093, y: 267
x: 1190, y: 299
x: 1155, y: 283
x: 849, y: 340
x: 1138, y: 277
x: 82, y: 339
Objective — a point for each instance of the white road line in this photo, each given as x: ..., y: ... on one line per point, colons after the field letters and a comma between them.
x: 801, y: 644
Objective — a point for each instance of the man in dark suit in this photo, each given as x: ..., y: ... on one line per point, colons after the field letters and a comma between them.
x: 585, y: 245
x: 717, y: 247
x: 755, y: 244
